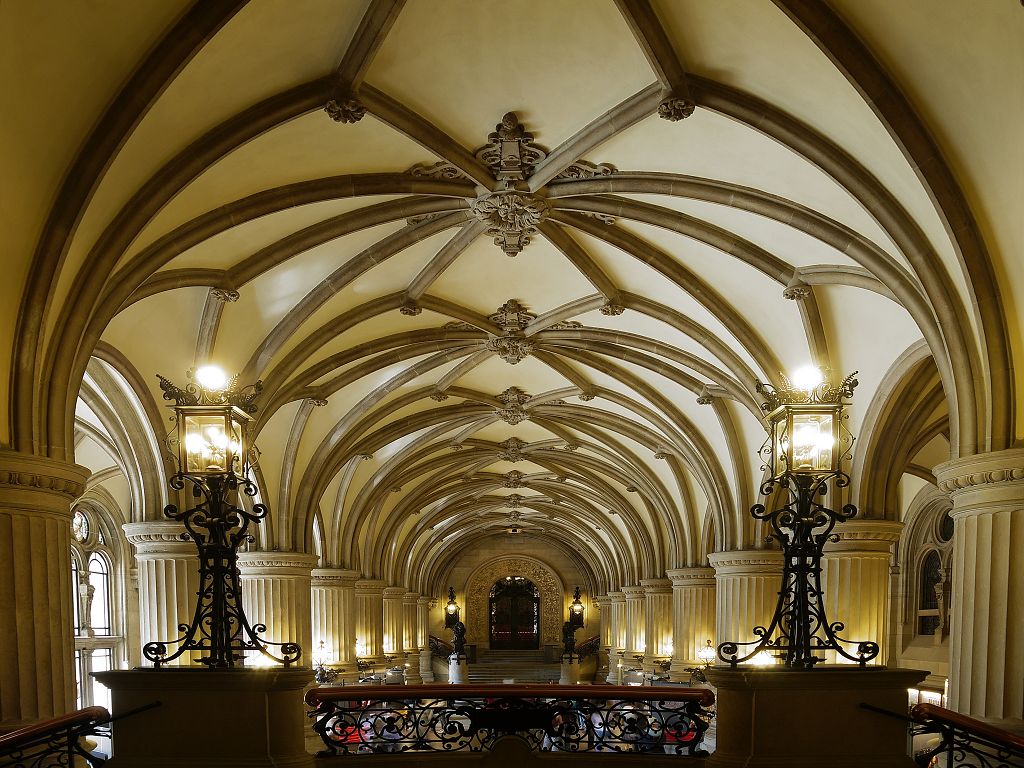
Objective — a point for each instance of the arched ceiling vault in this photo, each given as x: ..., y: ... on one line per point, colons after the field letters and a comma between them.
x: 520, y: 280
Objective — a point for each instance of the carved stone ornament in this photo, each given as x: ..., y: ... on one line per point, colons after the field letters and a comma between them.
x: 586, y: 396
x: 675, y: 108
x: 604, y: 218
x: 439, y: 170
x: 543, y: 577
x: 583, y: 169
x: 227, y: 295
x: 565, y: 325
x: 343, y: 106
x: 317, y: 402
x: 512, y: 450
x: 513, y: 412
x: 510, y: 152
x: 513, y: 501
x: 512, y: 316
x: 439, y: 397
x: 514, y: 479
x: 611, y: 309
x: 412, y: 221
x: 571, y: 446
x: 796, y: 291
x: 511, y: 217
x: 705, y: 397
x: 513, y: 348
x: 411, y: 308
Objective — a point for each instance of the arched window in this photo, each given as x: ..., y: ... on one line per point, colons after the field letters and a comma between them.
x: 76, y: 610
x: 99, y: 595
x: 928, y: 601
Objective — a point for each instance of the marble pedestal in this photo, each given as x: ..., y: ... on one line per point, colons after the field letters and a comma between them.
x: 811, y: 718
x: 458, y: 669
x: 243, y: 718
x: 570, y: 672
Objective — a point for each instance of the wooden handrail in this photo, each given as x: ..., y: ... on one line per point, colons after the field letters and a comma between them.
x: 316, y: 696
x: 930, y: 712
x: 19, y: 738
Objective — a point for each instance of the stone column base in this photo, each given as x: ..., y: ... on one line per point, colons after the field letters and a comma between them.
x: 811, y: 718
x: 570, y: 672
x: 243, y: 718
x: 458, y: 669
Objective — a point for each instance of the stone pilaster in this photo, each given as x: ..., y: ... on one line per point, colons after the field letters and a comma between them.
x: 411, y: 638
x: 635, y: 623
x: 855, y: 581
x: 604, y: 607
x: 37, y: 675
x: 334, y: 617
x: 394, y: 622
x: 423, y: 639
x: 168, y: 572
x: 277, y: 592
x: 747, y: 584
x: 618, y: 636
x: 986, y: 671
x: 658, y: 624
x: 370, y: 619
x: 693, y: 616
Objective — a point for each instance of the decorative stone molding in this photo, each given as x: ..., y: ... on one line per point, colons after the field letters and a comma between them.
x: 746, y: 562
x: 513, y: 412
x: 586, y: 396
x: 692, y: 577
x: 335, y: 577
x: 512, y: 316
x: 611, y: 309
x: 865, y: 535
x: 656, y: 586
x: 512, y: 450
x: 797, y: 290
x: 705, y: 397
x: 439, y: 170
x: 510, y: 152
x: 345, y: 108
x: 513, y: 348
x: 317, y: 402
x: 604, y: 218
x: 552, y: 595
x: 514, y: 501
x: 675, y: 108
x: 511, y: 217
x: 983, y: 469
x: 228, y: 295
x: 565, y: 325
x: 410, y: 309
x: 460, y: 325
x: 165, y: 538
x: 276, y: 563
x: 584, y: 169
x: 439, y: 397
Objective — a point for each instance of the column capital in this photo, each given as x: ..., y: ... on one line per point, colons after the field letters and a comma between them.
x: 985, y: 482
x: 748, y: 562
x: 602, y: 600
x: 692, y: 577
x: 276, y: 563
x: 617, y: 596
x: 411, y: 597
x: 865, y: 536
x: 425, y: 601
x: 656, y: 586
x: 394, y: 593
x: 633, y: 592
x: 371, y: 586
x: 335, y: 577
x: 38, y: 484
x: 158, y: 537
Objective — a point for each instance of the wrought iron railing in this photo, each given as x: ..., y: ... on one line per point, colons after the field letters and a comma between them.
x: 588, y: 647
x: 958, y: 740
x: 56, y: 742
x: 472, y: 718
x: 440, y: 648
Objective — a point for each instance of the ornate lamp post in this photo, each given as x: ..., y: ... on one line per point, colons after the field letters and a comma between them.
x: 576, y: 610
x: 213, y: 457
x: 451, y: 610
x: 806, y: 446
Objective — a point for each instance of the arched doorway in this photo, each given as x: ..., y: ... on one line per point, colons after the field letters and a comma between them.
x: 514, y: 614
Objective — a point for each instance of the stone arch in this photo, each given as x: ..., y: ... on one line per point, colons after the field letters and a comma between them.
x: 546, y: 579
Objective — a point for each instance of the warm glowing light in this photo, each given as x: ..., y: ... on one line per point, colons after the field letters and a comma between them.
x: 812, y: 441
x: 211, y: 377
x: 707, y: 653
x: 762, y: 659
x: 807, y: 377
x: 259, y: 661
x: 361, y: 648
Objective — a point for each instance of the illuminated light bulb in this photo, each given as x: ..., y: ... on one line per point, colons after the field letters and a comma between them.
x: 211, y: 377
x: 194, y: 443
x: 807, y: 377
x: 763, y: 659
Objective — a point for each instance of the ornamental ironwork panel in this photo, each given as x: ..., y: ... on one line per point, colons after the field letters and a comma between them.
x: 466, y: 721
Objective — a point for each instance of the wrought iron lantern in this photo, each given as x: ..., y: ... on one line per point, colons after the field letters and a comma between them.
x: 211, y: 417
x: 807, y: 444
x: 706, y: 655
x: 451, y: 610
x: 576, y: 610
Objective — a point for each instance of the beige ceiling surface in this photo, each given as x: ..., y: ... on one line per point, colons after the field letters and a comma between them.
x: 415, y: 364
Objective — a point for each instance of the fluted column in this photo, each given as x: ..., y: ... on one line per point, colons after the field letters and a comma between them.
x: 855, y: 582
x: 986, y: 670
x: 658, y: 624
x: 422, y: 638
x: 410, y: 639
x: 370, y: 619
x: 636, y: 623
x: 747, y: 584
x: 693, y: 616
x: 394, y: 622
x: 277, y: 591
x: 334, y: 617
x: 37, y: 674
x: 168, y: 572
x: 618, y: 636
x: 604, y: 607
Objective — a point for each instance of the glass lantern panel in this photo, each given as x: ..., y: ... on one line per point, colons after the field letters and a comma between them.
x: 235, y: 447
x: 812, y: 442
x: 207, y: 445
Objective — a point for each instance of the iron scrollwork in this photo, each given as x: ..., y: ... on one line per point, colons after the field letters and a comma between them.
x: 548, y: 724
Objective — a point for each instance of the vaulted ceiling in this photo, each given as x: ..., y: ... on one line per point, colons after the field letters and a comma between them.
x: 509, y: 265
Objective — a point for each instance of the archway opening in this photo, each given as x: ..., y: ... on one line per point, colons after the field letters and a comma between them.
x: 514, y: 614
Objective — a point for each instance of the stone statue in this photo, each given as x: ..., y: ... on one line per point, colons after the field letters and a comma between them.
x: 459, y: 638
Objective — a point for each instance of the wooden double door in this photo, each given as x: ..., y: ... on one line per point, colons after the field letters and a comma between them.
x: 514, y: 611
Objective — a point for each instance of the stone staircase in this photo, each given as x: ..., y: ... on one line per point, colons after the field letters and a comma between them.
x: 521, y: 666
